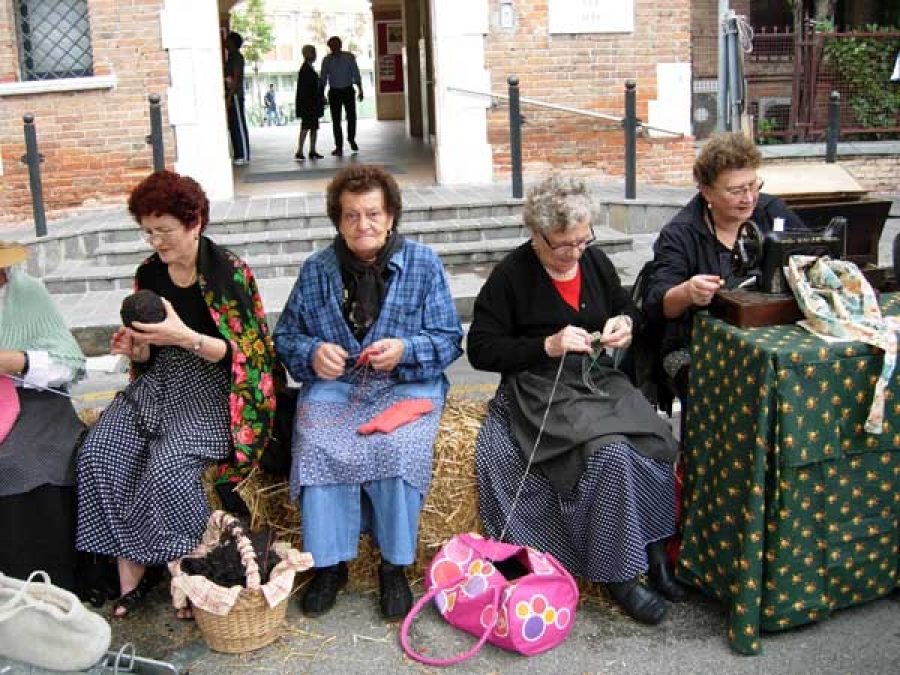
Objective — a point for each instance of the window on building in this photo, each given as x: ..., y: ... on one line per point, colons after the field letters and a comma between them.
x: 54, y: 39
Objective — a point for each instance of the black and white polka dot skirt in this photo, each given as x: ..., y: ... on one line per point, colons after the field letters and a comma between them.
x: 140, y: 494
x: 622, y: 502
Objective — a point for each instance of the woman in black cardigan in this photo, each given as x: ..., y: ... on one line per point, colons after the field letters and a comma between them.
x: 600, y: 492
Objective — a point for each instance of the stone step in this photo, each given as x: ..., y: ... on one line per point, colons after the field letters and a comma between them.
x: 80, y: 276
x: 315, y: 218
x: 280, y: 219
x: 255, y: 243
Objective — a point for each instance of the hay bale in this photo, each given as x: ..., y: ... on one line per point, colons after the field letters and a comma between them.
x: 90, y: 416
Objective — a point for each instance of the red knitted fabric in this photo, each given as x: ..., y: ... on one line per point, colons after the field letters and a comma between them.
x: 397, y: 415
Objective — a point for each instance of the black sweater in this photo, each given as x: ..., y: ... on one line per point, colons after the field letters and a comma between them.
x: 686, y: 247
x: 518, y: 307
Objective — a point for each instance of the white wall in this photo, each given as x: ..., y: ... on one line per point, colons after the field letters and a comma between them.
x: 462, y: 153
x: 196, y: 97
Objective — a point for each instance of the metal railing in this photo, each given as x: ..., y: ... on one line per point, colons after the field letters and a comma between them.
x: 629, y: 123
x: 33, y: 159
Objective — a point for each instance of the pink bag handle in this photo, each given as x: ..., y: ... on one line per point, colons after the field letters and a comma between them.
x: 407, y: 622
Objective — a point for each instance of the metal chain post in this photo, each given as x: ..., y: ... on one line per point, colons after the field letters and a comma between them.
x: 630, y: 123
x: 834, y: 127
x: 155, y: 139
x: 32, y: 159
x: 515, y: 136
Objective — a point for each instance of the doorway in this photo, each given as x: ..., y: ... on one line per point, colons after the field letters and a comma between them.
x: 391, y: 40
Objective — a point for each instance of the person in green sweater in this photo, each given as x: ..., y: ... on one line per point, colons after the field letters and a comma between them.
x: 39, y: 429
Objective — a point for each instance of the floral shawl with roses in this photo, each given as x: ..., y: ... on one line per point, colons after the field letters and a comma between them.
x: 230, y: 292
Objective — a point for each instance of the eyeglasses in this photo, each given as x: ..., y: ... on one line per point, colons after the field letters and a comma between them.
x: 150, y: 235
x: 741, y: 190
x: 354, y: 218
x: 580, y: 244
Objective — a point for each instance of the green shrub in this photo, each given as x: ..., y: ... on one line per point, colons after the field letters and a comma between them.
x: 865, y: 64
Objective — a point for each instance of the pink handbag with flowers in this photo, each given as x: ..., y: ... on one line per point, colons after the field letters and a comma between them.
x: 512, y: 596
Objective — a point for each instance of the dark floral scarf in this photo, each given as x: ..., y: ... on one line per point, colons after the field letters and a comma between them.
x: 230, y: 292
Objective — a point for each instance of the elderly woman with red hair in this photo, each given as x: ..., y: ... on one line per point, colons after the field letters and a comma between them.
x: 202, y: 393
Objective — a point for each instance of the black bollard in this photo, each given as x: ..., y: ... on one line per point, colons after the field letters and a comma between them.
x: 155, y: 139
x: 515, y: 136
x: 834, y: 127
x: 630, y: 123
x: 32, y: 159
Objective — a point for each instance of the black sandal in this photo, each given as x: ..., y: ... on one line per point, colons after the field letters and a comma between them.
x: 133, y: 599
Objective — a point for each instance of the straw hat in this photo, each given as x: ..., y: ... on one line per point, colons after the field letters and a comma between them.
x: 12, y: 253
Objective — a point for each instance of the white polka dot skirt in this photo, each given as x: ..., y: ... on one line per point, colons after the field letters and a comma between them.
x: 622, y: 502
x: 140, y: 494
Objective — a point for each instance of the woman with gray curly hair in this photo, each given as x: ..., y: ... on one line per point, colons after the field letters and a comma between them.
x: 571, y: 459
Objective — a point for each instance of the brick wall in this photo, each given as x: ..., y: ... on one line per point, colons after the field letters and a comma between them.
x: 586, y: 71
x: 93, y: 141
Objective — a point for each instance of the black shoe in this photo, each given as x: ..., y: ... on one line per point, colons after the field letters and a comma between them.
x: 354, y: 147
x: 299, y: 156
x: 322, y: 591
x: 136, y: 598
x: 395, y: 597
x: 315, y: 155
x: 660, y: 575
x: 337, y: 152
x: 639, y: 602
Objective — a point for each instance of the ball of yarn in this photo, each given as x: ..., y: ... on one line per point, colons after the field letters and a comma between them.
x: 144, y: 306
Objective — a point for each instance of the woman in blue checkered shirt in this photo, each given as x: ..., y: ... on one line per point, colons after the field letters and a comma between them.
x: 368, y: 330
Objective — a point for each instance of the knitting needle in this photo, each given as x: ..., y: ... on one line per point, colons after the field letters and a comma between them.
x: 29, y: 385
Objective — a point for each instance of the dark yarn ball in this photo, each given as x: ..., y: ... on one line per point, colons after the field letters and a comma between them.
x: 222, y: 565
x: 144, y: 306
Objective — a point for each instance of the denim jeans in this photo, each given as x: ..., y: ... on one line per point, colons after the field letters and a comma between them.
x: 335, y: 515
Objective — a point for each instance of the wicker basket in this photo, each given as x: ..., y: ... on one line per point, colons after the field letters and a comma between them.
x: 249, y: 625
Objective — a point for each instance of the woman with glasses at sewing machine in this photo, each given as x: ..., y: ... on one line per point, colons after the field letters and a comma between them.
x: 571, y: 459
x: 202, y: 394
x: 692, y: 255
x: 39, y: 429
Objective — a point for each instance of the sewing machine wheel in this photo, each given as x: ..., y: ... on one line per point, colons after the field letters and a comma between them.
x: 746, y: 255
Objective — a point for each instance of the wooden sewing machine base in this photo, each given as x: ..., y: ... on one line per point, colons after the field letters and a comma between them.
x: 752, y: 309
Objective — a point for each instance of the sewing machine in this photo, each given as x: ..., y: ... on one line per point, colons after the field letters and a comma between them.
x: 765, y: 299
x: 763, y: 257
x: 817, y: 193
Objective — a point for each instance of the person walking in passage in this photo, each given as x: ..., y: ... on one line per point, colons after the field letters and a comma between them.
x: 339, y: 74
x: 271, y: 107
x: 234, y: 100
x: 308, y: 103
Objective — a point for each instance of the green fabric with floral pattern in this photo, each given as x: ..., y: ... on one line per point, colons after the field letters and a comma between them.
x: 229, y: 290
x: 789, y: 507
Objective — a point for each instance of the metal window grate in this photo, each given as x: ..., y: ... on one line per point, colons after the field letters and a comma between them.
x: 54, y: 39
